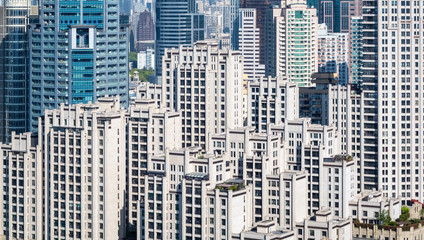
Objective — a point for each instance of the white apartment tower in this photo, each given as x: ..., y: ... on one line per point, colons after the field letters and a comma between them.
x: 204, y: 84
x: 249, y: 44
x: 271, y: 101
x: 22, y: 200
x: 292, y: 42
x: 84, y: 171
x: 400, y: 87
x: 333, y: 53
x: 150, y: 132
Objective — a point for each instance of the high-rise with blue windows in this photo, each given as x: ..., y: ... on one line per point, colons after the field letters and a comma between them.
x: 336, y: 14
x: 177, y: 23
x: 13, y: 67
x: 78, y: 53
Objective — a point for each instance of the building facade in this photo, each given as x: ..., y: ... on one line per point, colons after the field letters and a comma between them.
x: 177, y: 23
x: 14, y: 18
x: 333, y: 53
x: 271, y: 101
x: 356, y: 50
x: 205, y: 84
x: 337, y: 14
x: 145, y: 32
x: 76, y: 59
x: 249, y: 44
x: 292, y: 42
x: 146, y: 59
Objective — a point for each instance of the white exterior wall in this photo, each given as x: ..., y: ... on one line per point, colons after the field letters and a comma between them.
x: 333, y: 53
x: 249, y: 44
x: 207, y: 90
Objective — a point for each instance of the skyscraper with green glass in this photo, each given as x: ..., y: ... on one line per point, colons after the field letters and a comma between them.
x: 292, y: 42
x: 78, y: 53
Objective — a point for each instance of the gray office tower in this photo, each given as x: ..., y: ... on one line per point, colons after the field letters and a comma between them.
x: 177, y: 23
x: 78, y: 53
x: 13, y: 67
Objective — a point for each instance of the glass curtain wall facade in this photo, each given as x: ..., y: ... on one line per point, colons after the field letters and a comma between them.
x: 78, y: 53
x: 13, y: 67
x: 177, y: 23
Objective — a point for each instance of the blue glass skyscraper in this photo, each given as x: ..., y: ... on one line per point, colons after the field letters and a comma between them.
x: 177, y: 23
x: 78, y: 53
x: 13, y: 67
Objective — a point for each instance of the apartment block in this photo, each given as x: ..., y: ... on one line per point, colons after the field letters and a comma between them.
x: 367, y: 206
x: 361, y: 145
x: 399, y: 72
x: 338, y: 184
x: 327, y: 103
x: 271, y: 101
x: 356, y: 49
x: 193, y: 195
x: 22, y: 200
x: 333, y: 53
x: 266, y: 229
x: 204, y: 84
x: 292, y: 42
x: 150, y: 131
x: 84, y: 169
x: 259, y: 160
x: 249, y: 44
x: 149, y: 91
x: 323, y: 225
x: 306, y: 148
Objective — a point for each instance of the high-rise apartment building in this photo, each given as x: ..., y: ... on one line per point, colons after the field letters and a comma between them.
x: 368, y: 98
x: 356, y: 49
x: 14, y: 16
x: 177, y: 23
x: 145, y: 32
x: 260, y: 6
x: 78, y: 53
x: 398, y: 68
x: 84, y: 170
x: 205, y: 84
x: 327, y: 103
x: 333, y: 53
x: 151, y: 131
x: 70, y: 181
x: 271, y: 101
x: 291, y: 37
x: 22, y: 179
x: 249, y: 44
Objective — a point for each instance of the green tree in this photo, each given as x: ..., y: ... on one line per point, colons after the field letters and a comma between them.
x: 132, y: 56
x: 142, y: 73
x: 405, y: 214
x: 384, y: 217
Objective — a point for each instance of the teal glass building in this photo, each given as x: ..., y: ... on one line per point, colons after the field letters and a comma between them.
x: 78, y: 53
x: 357, y: 49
